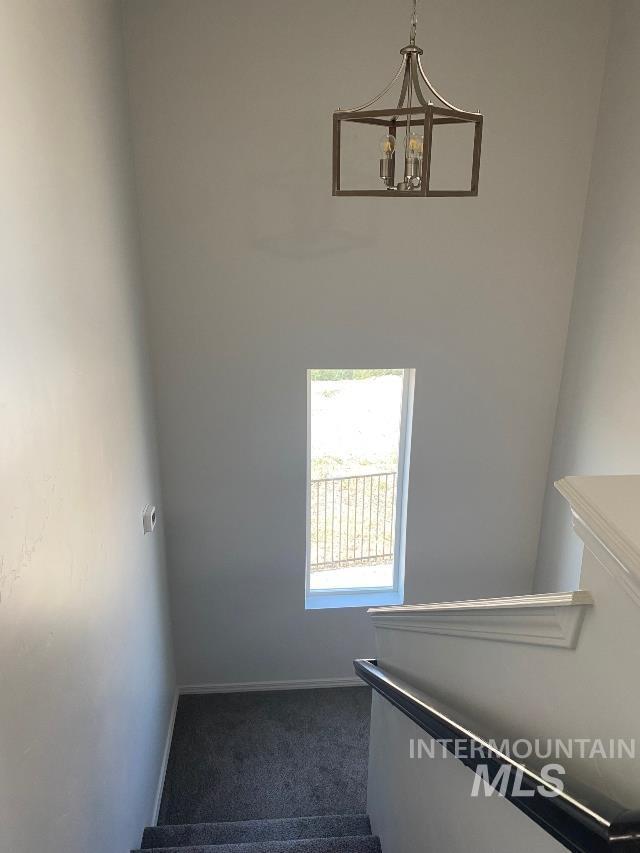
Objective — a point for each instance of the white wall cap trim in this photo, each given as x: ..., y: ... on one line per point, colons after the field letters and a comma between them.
x: 606, y: 516
x: 549, y: 619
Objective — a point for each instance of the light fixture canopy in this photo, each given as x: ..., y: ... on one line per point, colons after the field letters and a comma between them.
x: 413, y: 119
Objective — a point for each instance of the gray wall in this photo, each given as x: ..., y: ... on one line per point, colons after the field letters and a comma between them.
x: 85, y: 673
x: 254, y: 273
x: 598, y: 422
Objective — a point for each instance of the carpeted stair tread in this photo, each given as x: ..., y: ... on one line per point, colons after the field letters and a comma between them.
x: 246, y: 831
x: 283, y: 753
x: 345, y: 844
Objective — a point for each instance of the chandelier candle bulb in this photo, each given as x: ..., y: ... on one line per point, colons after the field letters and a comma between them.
x: 413, y: 159
x: 388, y: 160
x: 388, y: 145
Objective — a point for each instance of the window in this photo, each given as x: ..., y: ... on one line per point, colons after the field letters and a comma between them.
x: 359, y: 437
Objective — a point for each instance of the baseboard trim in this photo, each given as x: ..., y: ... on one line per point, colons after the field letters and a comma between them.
x: 249, y: 686
x: 165, y: 759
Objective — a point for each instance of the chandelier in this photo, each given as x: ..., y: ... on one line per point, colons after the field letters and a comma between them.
x: 408, y: 132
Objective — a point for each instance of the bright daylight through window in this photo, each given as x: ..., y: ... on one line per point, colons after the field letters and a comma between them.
x: 358, y: 466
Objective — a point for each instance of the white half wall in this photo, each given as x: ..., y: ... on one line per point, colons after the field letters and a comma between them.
x: 598, y: 420
x: 503, y: 689
x: 254, y: 273
x: 86, y: 678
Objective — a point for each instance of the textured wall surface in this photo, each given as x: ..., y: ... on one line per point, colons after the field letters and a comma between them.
x: 598, y: 420
x: 85, y: 661
x: 254, y: 273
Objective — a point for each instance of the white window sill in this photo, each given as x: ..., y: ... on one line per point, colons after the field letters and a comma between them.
x: 325, y: 600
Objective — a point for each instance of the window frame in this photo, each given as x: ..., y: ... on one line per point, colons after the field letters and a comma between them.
x: 319, y: 599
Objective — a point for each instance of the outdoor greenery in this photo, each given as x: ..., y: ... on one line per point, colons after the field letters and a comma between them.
x: 331, y: 374
x: 355, y: 434
x: 355, y: 422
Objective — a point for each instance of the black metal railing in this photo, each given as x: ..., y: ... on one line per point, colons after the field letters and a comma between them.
x: 352, y: 520
x: 581, y: 819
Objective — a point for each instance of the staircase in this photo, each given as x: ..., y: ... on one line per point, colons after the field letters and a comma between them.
x: 321, y: 834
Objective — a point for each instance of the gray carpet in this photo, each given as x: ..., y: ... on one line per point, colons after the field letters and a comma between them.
x: 247, y: 756
x: 348, y: 844
x: 243, y: 832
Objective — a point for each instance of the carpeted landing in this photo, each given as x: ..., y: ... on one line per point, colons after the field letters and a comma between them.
x: 277, y: 772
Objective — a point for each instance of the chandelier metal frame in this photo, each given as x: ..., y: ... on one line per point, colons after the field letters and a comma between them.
x: 412, y: 111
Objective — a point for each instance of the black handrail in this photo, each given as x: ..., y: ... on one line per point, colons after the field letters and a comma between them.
x: 581, y: 819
